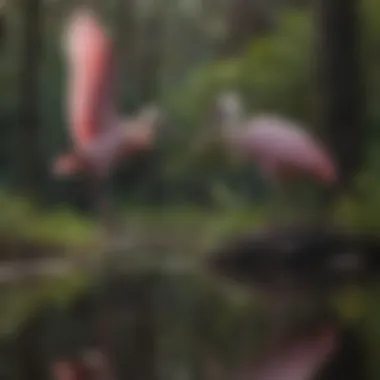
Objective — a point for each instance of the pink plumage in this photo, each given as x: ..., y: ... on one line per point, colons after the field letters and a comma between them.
x: 90, y: 78
x: 282, y: 148
x: 299, y: 360
x: 101, y: 137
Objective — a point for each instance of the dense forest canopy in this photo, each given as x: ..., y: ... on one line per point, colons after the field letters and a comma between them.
x: 175, y: 54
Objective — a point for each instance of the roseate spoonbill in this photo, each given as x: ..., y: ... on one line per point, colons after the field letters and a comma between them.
x: 282, y: 149
x: 101, y: 138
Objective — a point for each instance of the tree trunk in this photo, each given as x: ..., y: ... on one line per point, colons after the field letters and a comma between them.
x: 27, y: 152
x: 150, y: 57
x: 3, y: 27
x: 126, y: 43
x: 341, y: 84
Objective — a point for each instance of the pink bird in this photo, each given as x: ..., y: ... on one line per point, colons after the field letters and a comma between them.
x: 299, y: 360
x: 100, y: 136
x: 282, y: 149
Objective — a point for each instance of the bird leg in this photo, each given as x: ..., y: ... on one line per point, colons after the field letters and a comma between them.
x: 270, y: 175
x: 297, y: 201
x: 99, y: 188
x: 280, y: 201
x: 310, y: 202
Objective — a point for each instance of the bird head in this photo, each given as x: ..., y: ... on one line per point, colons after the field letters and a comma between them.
x: 222, y: 122
x: 229, y: 112
x: 81, y: 25
x: 150, y: 116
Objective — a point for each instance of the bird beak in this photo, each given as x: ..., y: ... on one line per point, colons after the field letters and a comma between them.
x: 150, y: 116
x: 141, y: 135
x: 143, y: 129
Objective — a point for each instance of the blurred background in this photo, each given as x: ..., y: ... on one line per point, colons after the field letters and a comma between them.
x: 157, y: 311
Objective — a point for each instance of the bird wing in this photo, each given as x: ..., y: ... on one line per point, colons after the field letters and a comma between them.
x: 90, y: 74
x: 274, y: 139
x: 274, y: 136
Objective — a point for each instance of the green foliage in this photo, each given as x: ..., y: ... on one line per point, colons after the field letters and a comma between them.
x: 276, y: 70
x: 191, y: 102
x: 361, y: 209
x: 273, y: 74
x: 21, y: 219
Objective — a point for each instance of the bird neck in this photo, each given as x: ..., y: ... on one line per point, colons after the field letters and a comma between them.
x: 231, y: 131
x: 230, y: 116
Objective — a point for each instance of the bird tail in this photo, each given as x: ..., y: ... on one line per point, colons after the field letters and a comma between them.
x: 326, y: 170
